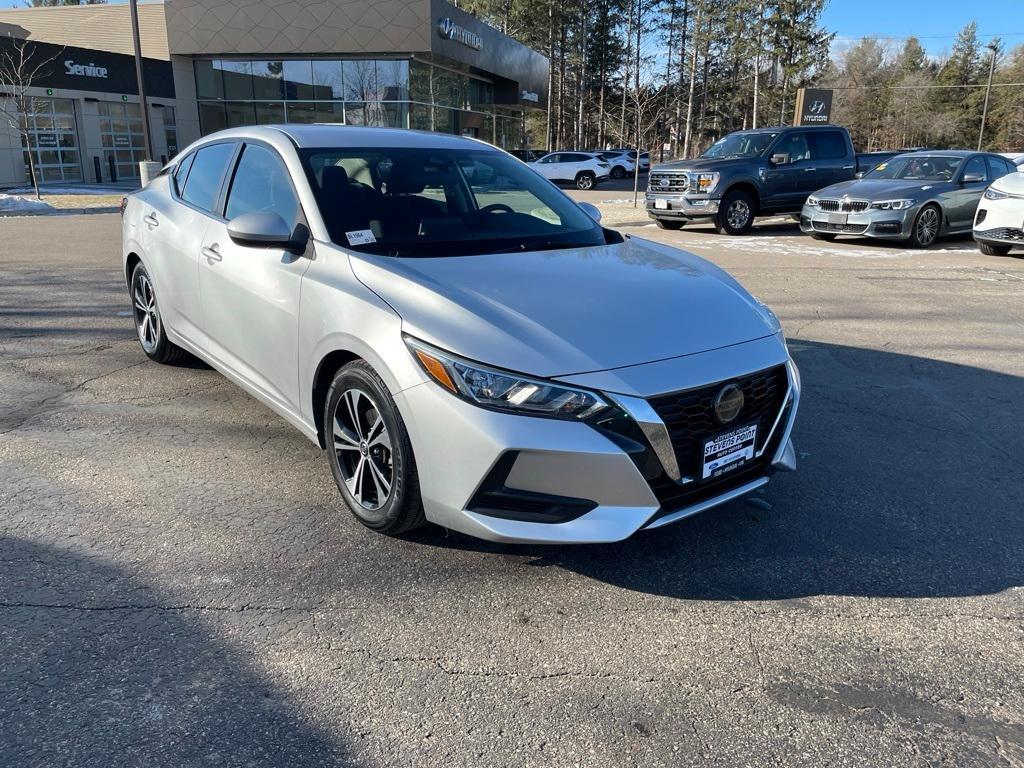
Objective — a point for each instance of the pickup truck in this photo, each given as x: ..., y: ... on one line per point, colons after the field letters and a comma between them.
x: 760, y: 172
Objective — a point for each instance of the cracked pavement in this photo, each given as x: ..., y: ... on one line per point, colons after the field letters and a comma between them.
x: 180, y: 584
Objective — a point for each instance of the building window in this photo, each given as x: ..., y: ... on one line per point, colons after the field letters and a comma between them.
x: 121, y: 135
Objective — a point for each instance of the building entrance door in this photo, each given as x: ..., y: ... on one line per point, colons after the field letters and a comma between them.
x: 121, y: 133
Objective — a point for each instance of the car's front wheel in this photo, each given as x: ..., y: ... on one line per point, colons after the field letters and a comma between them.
x: 369, y: 451
x: 926, y: 227
x: 993, y: 250
x: 149, y: 325
x: 585, y: 180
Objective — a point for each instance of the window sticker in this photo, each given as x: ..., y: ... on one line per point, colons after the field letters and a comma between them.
x: 360, y: 237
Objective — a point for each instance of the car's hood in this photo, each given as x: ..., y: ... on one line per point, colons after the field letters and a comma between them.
x: 708, y: 164
x: 882, y: 189
x: 555, y: 313
x: 1012, y: 184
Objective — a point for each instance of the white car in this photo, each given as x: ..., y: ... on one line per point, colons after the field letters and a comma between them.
x: 584, y: 169
x: 1017, y: 158
x: 999, y: 221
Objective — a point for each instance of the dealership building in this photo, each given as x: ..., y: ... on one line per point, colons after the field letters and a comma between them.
x: 212, y: 64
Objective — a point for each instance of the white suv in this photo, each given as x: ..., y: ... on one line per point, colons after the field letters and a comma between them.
x: 999, y: 220
x: 583, y: 169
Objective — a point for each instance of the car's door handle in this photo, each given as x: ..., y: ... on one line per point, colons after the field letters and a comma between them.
x: 808, y: 170
x: 212, y: 253
x: 849, y: 167
x: 151, y: 221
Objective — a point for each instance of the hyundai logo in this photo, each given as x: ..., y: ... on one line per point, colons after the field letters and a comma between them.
x: 449, y: 30
x: 728, y: 403
x: 817, y: 107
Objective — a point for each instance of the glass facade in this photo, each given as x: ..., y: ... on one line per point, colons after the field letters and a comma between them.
x: 393, y: 93
x: 52, y: 141
x: 121, y: 135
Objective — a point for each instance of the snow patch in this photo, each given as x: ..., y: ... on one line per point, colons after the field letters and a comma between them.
x: 18, y: 204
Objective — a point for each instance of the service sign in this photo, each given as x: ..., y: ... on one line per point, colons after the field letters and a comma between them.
x: 813, y: 106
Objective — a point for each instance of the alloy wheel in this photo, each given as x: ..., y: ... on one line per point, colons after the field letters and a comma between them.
x: 927, y: 227
x: 363, y: 446
x: 585, y: 181
x: 147, y: 316
x: 738, y: 214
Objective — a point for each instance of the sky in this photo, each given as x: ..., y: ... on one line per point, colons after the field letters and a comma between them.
x: 935, y: 22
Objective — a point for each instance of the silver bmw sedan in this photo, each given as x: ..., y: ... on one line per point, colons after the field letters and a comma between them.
x: 467, y: 344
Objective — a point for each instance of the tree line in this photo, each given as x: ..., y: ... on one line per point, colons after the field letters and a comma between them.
x: 684, y: 72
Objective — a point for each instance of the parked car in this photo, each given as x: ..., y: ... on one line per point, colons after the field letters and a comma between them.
x: 493, y: 361
x: 999, y: 222
x: 584, y: 169
x: 527, y: 155
x: 1017, y: 158
x: 621, y: 163
x: 748, y: 174
x: 915, y: 198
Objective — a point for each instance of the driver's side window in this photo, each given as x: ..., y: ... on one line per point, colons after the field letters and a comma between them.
x: 976, y: 167
x: 261, y: 183
x: 795, y: 145
x: 549, y: 159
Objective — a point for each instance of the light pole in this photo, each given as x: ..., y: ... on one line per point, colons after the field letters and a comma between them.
x: 994, y: 48
x: 134, y: 9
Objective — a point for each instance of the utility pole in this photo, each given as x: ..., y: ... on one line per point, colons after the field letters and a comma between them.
x: 134, y: 8
x: 994, y: 48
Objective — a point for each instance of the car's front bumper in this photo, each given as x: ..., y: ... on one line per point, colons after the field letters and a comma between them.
x: 515, y: 478
x: 1000, y: 222
x: 889, y: 225
x: 680, y: 206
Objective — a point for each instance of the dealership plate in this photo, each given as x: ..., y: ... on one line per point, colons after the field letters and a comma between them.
x: 728, y: 451
x: 837, y: 218
x: 661, y: 205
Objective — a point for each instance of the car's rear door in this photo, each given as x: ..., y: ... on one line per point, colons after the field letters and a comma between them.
x: 250, y: 294
x: 967, y: 194
x: 173, y: 231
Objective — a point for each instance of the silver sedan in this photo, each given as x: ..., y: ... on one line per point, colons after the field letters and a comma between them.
x: 468, y: 345
x: 914, y: 198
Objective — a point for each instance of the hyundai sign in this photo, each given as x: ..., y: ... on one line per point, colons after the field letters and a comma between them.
x: 813, y: 106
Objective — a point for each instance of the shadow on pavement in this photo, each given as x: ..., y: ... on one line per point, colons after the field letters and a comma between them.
x: 909, y: 486
x: 98, y: 669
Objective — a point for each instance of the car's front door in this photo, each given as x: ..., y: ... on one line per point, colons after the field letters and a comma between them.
x: 250, y: 294
x: 550, y: 166
x: 972, y: 182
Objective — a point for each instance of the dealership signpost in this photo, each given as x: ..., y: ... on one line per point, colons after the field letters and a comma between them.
x: 813, y: 106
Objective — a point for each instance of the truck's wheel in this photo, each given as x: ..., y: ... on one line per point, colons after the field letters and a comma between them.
x: 735, y: 214
x: 669, y: 223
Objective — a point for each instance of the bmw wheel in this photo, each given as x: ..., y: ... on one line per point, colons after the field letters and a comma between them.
x: 735, y: 214
x: 926, y: 227
x: 369, y: 452
x: 149, y: 326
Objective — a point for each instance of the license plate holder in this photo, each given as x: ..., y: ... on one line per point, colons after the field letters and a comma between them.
x: 728, y: 451
x: 837, y: 218
x: 661, y: 205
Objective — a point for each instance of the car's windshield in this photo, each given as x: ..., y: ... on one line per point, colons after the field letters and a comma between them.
x: 441, y: 202
x: 916, y: 168
x: 741, y: 144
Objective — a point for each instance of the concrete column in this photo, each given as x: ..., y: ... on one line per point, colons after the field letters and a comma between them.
x: 148, y: 170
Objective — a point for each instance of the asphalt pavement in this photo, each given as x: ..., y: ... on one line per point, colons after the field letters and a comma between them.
x: 180, y: 584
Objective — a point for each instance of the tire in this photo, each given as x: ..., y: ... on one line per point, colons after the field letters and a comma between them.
x: 736, y: 213
x: 669, y: 223
x: 618, y: 172
x: 149, y: 326
x: 926, y: 227
x: 993, y: 250
x: 585, y: 180
x: 826, y: 236
x: 369, y: 452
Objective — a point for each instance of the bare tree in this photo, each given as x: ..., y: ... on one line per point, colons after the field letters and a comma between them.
x: 21, y: 68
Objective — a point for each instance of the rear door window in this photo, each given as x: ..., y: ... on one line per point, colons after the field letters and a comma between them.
x: 827, y: 145
x: 202, y: 187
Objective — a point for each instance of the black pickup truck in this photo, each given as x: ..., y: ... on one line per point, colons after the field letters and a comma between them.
x: 761, y: 172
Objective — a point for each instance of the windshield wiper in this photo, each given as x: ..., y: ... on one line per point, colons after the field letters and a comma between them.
x: 551, y: 245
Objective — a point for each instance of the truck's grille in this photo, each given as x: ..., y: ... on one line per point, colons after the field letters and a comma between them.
x: 690, y: 419
x: 1002, y: 233
x: 843, y: 206
x: 668, y: 182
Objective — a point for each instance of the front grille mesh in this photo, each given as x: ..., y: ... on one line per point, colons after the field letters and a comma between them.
x: 677, y: 182
x: 846, y: 229
x: 843, y: 206
x: 689, y: 416
x: 1002, y: 233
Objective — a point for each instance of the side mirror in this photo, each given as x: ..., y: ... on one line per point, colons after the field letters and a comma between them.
x: 266, y: 229
x: 780, y: 158
x: 972, y: 178
x: 859, y: 175
x: 591, y: 210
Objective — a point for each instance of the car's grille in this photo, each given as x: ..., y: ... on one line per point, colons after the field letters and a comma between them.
x: 668, y: 182
x: 843, y: 206
x: 846, y: 229
x: 1002, y: 233
x: 690, y: 419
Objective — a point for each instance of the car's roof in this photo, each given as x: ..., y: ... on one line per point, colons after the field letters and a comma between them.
x: 318, y: 135
x: 944, y: 153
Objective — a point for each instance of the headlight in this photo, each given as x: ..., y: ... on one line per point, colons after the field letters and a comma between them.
x: 995, y: 194
x: 812, y: 201
x: 505, y: 391
x: 703, y: 182
x: 893, y: 205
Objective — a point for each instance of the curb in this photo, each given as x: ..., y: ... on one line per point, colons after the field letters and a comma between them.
x: 60, y: 212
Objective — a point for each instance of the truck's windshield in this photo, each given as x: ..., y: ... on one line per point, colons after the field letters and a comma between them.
x: 742, y: 144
